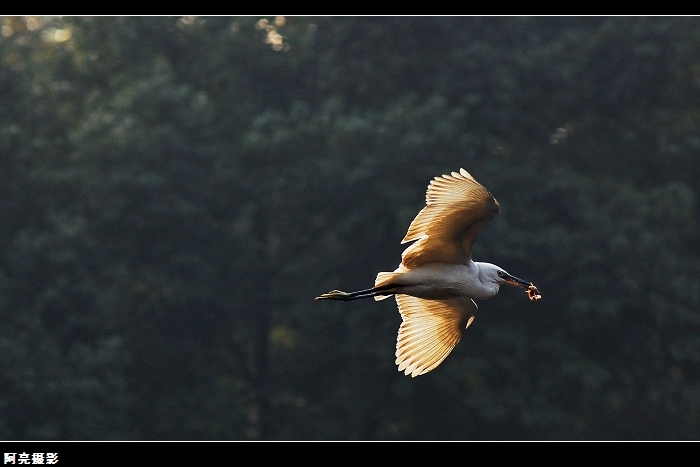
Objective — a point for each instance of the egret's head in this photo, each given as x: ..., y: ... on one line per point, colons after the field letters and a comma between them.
x: 494, y: 274
x: 505, y: 278
x: 490, y: 273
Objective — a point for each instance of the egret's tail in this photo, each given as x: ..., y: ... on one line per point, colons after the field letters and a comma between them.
x: 384, y: 278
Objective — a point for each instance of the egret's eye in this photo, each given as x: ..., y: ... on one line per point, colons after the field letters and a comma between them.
x: 501, y: 273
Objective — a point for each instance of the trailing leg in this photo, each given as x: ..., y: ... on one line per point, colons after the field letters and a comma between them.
x: 346, y: 296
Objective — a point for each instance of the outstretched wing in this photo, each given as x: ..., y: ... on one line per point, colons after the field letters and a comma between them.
x: 457, y: 208
x: 429, y: 331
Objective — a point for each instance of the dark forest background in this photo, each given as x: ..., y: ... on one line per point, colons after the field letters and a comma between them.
x: 174, y: 192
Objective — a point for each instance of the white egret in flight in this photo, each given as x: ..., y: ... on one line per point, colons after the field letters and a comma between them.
x: 436, y: 283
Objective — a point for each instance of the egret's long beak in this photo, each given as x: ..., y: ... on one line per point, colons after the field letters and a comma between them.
x: 512, y: 280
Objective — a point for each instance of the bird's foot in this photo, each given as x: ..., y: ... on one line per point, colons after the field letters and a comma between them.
x: 335, y: 295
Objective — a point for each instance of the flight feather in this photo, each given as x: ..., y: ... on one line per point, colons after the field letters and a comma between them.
x: 457, y: 208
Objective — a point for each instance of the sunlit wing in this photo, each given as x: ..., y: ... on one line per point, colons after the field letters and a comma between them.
x: 457, y: 208
x: 429, y: 331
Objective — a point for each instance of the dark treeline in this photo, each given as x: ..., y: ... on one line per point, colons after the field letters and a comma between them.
x: 176, y: 191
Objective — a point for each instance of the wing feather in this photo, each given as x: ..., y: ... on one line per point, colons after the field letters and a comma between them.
x: 457, y: 208
x: 429, y: 331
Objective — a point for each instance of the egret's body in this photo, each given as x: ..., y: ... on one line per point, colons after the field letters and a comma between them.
x: 436, y: 282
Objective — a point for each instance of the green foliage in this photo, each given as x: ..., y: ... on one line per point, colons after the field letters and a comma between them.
x: 177, y: 190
